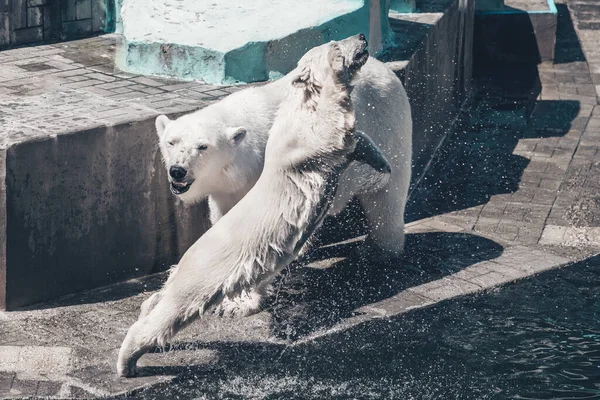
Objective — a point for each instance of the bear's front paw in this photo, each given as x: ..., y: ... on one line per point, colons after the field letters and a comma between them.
x: 126, y: 369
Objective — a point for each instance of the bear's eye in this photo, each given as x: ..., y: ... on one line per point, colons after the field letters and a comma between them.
x: 202, y: 147
x: 170, y: 144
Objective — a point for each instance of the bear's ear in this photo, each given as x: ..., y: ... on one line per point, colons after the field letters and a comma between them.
x: 302, y: 78
x: 161, y: 123
x: 236, y: 135
x: 336, y: 58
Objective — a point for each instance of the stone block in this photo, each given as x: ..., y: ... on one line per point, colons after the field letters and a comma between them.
x: 101, y: 16
x: 33, y: 362
x: 154, y: 42
x: 18, y: 15
x: 74, y: 10
x: 28, y: 35
x: 489, y: 5
x: 87, y: 219
x: 4, y: 29
x: 35, y: 16
x: 403, y: 6
x: 401, y: 303
x: 489, y: 280
x: 446, y: 288
x: 77, y: 28
x: 23, y: 388
x: 36, y: 3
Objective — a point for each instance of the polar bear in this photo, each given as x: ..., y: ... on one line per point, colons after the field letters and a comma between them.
x: 312, y: 140
x: 218, y: 151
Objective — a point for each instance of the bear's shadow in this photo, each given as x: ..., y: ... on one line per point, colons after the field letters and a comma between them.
x: 305, y: 300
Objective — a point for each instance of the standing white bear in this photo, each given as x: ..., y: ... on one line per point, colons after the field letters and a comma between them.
x: 312, y: 140
x: 218, y: 151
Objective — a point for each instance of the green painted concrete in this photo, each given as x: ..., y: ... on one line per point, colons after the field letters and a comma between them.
x: 403, y: 6
x: 237, y: 42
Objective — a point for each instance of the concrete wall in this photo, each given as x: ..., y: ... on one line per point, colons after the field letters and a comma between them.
x: 95, y: 210
x: 436, y: 72
x: 438, y: 79
x: 34, y: 21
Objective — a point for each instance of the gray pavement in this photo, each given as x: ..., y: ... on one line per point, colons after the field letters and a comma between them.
x: 513, y: 192
x: 68, y: 87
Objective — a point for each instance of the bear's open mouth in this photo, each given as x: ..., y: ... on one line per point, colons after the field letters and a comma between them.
x: 180, y: 187
x: 360, y: 58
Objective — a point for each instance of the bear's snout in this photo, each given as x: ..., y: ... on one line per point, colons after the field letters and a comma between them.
x: 177, y: 172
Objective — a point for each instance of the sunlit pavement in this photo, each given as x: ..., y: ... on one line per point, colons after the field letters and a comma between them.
x: 512, y: 193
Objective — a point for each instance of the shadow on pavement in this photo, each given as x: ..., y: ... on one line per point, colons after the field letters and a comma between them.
x: 477, y: 160
x: 537, y: 338
x: 567, y: 48
x: 311, y: 299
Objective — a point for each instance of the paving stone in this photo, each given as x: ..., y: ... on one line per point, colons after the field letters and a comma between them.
x: 450, y: 287
x: 529, y: 234
x: 35, y: 360
x: 101, y: 77
x: 511, y: 273
x: 400, y: 303
x: 489, y: 280
x: 24, y: 388
x: 147, y: 81
x: 6, y: 380
x: 48, y: 389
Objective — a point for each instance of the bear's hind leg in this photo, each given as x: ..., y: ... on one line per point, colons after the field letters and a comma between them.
x: 384, y: 211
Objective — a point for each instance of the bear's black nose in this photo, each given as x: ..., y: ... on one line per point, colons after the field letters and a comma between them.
x: 177, y: 172
x: 361, y: 37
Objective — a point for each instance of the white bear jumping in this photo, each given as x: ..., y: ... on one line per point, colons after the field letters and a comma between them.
x: 311, y: 142
x: 218, y: 151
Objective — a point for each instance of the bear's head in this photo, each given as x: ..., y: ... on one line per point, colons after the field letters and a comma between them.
x: 314, y: 123
x: 338, y: 60
x: 194, y: 151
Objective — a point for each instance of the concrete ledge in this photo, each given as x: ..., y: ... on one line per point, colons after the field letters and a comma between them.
x: 181, y: 40
x: 82, y: 218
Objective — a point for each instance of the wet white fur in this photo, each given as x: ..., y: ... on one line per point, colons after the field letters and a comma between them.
x: 228, y: 169
x: 309, y: 140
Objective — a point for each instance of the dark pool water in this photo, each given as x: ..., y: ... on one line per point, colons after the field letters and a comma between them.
x: 536, y: 339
